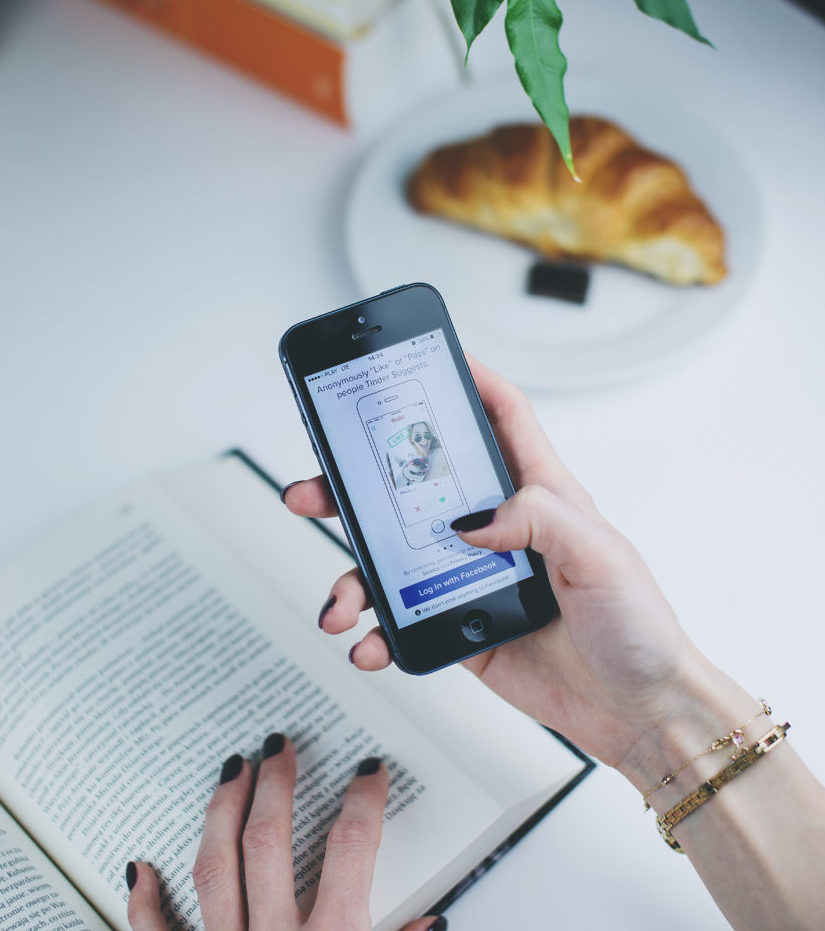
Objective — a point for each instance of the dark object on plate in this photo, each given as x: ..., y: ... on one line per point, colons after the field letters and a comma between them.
x: 567, y: 282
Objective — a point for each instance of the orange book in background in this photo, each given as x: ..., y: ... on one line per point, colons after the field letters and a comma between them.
x: 253, y: 38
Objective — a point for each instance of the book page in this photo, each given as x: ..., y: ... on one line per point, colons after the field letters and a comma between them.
x: 34, y: 894
x: 509, y: 756
x: 341, y: 19
x: 135, y: 656
x: 451, y: 706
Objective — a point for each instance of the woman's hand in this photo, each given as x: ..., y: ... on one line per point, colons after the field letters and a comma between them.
x: 617, y: 675
x: 613, y: 667
x: 243, y: 871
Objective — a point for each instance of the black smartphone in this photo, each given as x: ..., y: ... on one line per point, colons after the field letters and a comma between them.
x: 397, y: 425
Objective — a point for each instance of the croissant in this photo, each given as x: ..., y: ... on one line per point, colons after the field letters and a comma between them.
x: 631, y: 207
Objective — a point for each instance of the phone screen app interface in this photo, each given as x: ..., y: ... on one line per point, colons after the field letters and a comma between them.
x: 406, y: 443
x: 418, y: 473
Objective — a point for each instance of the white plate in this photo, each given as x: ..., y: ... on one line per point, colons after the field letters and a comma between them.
x: 630, y: 323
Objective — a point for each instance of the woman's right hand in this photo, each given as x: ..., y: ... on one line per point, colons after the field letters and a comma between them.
x: 618, y: 676
x: 616, y: 666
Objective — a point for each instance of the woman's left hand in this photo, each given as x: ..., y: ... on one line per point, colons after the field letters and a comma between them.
x: 243, y: 872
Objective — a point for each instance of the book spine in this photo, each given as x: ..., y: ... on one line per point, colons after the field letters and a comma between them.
x: 258, y: 41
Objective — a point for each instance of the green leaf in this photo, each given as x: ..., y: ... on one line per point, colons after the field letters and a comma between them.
x: 472, y: 16
x: 532, y: 28
x: 675, y: 13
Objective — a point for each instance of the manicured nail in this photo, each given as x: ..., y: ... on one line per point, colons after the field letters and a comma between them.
x: 131, y: 875
x: 440, y: 924
x: 273, y: 745
x: 326, y: 606
x: 231, y: 768
x: 286, y: 488
x: 369, y: 767
x: 474, y: 521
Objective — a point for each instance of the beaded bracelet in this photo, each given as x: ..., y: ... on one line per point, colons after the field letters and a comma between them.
x: 744, y: 760
x: 736, y: 737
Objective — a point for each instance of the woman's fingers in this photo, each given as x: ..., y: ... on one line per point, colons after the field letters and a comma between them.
x: 217, y: 871
x: 427, y: 923
x: 346, y: 878
x: 144, y: 898
x: 267, y: 840
x: 352, y: 845
x: 310, y: 498
x: 530, y: 457
x: 372, y: 653
x: 347, y: 599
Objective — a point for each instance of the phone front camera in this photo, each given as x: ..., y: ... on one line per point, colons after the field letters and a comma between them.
x: 362, y: 320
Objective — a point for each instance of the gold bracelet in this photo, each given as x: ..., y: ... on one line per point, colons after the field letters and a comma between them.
x: 735, y: 737
x: 666, y: 822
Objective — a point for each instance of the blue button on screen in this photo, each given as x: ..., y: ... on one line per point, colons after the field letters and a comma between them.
x: 446, y: 582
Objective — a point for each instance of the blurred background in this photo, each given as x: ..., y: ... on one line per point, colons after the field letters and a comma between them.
x: 817, y: 7
x: 166, y: 216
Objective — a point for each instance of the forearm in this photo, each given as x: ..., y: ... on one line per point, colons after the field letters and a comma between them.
x: 758, y: 843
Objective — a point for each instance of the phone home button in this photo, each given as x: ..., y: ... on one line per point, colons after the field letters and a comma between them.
x: 437, y: 526
x: 476, y: 626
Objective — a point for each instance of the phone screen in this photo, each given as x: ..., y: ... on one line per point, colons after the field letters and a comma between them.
x: 407, y: 445
x: 405, y: 439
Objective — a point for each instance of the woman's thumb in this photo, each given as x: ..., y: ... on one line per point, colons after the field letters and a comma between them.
x: 144, y: 898
x: 581, y: 545
x: 428, y: 923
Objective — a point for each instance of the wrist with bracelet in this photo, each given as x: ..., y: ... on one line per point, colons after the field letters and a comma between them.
x: 742, y: 759
x: 735, y: 738
x: 741, y: 762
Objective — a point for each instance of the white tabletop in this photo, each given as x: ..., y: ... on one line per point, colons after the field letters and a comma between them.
x: 164, y: 220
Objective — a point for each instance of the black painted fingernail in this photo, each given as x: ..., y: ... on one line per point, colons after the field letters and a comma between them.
x: 440, y: 924
x: 286, y: 488
x: 369, y: 767
x: 351, y: 655
x: 231, y: 768
x: 326, y: 606
x: 131, y: 875
x: 474, y: 521
x: 273, y: 745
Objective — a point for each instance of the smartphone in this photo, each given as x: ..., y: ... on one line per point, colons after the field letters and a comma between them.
x: 399, y: 430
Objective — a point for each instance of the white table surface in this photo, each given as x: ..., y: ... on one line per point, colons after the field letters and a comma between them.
x: 162, y: 220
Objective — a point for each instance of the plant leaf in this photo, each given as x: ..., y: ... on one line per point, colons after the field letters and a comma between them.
x: 532, y: 28
x: 675, y: 13
x: 472, y: 16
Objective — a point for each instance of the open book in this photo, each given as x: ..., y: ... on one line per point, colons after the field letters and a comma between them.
x: 174, y: 625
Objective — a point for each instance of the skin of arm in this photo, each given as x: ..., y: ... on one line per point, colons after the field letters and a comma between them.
x: 619, y: 677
